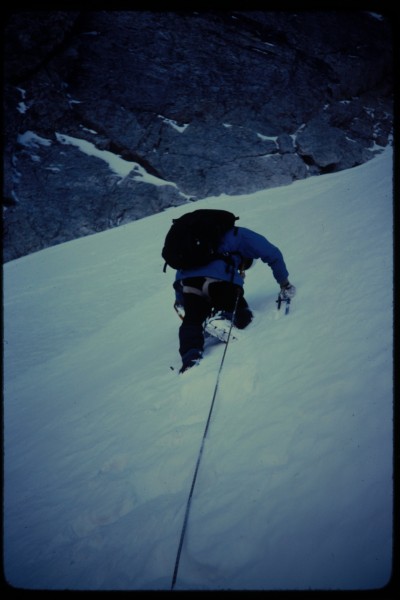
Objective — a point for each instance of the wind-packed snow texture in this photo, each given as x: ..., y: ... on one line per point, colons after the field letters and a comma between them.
x: 101, y: 437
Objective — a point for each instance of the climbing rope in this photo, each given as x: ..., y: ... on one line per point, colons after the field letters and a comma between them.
x: 186, y: 518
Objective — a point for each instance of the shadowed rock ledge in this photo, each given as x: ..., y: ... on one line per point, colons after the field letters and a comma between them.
x: 193, y: 103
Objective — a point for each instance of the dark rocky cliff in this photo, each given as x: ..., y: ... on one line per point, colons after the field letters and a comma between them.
x: 212, y: 102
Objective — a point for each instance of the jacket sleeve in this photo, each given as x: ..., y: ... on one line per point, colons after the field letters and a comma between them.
x: 254, y: 245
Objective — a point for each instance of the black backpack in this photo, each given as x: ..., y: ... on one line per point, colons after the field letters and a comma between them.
x: 193, y: 239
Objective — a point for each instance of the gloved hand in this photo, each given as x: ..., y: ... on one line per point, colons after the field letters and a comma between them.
x: 287, y: 290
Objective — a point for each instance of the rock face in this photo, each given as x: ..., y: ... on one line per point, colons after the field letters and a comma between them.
x: 193, y: 103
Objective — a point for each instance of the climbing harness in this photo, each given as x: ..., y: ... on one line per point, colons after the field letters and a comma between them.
x: 245, y: 264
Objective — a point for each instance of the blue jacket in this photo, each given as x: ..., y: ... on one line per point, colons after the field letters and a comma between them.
x: 247, y: 244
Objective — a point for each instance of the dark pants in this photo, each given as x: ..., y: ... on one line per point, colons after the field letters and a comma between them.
x: 222, y: 295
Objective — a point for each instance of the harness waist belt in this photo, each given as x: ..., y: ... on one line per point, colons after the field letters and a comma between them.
x: 203, y: 291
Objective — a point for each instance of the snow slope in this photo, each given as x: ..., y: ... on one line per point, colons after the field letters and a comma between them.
x: 101, y: 437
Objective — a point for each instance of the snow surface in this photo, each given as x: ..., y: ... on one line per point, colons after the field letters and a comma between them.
x: 101, y: 437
